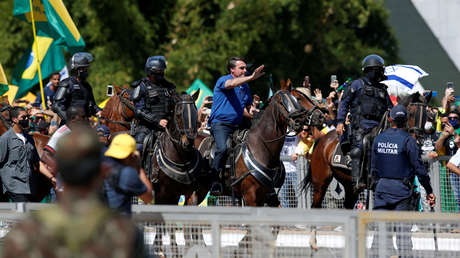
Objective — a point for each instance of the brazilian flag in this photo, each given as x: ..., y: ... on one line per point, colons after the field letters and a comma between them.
x: 3, y: 81
x: 204, y: 91
x: 56, y: 32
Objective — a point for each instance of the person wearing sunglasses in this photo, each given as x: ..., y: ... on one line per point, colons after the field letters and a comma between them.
x: 445, y: 144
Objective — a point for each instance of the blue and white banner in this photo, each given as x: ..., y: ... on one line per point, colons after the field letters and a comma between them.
x: 404, y: 79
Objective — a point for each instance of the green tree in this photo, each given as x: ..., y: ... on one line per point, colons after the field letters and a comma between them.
x: 291, y: 37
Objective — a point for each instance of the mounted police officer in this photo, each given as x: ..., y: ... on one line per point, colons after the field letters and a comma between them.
x: 395, y: 161
x: 367, y: 100
x: 75, y: 90
x: 152, y: 101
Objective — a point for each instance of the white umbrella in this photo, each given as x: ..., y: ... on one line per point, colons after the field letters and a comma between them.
x: 403, y: 79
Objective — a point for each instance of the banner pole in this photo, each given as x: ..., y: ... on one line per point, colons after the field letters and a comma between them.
x: 37, y: 55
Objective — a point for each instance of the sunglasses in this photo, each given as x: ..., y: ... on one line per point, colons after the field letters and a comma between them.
x: 305, y: 130
x: 453, y: 118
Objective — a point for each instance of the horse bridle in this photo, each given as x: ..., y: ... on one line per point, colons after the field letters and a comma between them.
x: 291, y: 111
x: 124, y: 102
x: 189, y: 116
x: 312, y: 114
x: 420, y: 118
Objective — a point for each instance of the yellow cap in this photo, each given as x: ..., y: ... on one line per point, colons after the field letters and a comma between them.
x: 121, y: 146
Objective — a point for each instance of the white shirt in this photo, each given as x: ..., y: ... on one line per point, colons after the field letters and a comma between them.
x: 456, y: 159
x: 22, y: 137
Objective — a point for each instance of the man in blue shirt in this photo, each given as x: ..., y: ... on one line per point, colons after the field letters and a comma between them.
x: 395, y: 161
x: 231, y: 99
x: 126, y: 178
x: 48, y: 91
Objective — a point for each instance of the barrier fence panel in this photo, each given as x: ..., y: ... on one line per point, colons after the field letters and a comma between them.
x: 176, y: 231
x: 246, y: 232
x: 408, y: 234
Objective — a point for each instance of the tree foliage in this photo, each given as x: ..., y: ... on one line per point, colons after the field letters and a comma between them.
x: 291, y: 37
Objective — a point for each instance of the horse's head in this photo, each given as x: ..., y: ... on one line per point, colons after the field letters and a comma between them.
x: 416, y: 106
x: 314, y: 116
x: 290, y: 109
x: 185, y: 120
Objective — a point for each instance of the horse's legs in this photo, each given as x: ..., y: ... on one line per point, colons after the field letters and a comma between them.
x: 350, y: 196
x: 319, y: 190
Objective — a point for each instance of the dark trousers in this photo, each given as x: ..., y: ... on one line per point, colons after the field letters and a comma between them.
x: 221, y: 132
x: 14, y: 197
x: 402, y: 230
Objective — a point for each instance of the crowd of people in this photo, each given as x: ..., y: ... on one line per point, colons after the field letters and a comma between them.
x: 352, y: 109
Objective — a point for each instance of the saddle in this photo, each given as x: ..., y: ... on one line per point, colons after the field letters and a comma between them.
x: 270, y: 178
x: 340, y: 159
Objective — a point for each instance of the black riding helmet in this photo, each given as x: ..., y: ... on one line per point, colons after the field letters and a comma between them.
x: 373, y: 61
x: 80, y: 59
x: 155, y: 63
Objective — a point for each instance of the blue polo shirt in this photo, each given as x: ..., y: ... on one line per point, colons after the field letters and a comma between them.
x: 228, y: 104
x: 49, y: 95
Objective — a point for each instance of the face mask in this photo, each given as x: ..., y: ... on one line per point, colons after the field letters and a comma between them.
x: 375, y: 75
x: 158, y: 77
x: 24, y: 124
x: 83, y: 75
x: 454, y: 123
x: 428, y: 126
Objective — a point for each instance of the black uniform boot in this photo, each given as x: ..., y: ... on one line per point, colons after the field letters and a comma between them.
x: 355, y: 170
x: 216, y: 186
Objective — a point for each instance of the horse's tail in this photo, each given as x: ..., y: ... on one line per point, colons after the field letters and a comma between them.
x: 306, y: 182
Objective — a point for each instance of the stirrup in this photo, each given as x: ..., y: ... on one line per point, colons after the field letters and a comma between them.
x: 216, y: 189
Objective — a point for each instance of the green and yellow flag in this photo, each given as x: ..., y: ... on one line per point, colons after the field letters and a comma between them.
x: 204, y: 91
x: 53, y: 20
x: 55, y: 32
x: 3, y: 81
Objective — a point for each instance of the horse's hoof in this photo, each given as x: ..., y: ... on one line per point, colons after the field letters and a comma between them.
x: 357, y: 189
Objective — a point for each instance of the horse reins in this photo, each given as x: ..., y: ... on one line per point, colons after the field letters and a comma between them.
x: 310, y: 113
x: 290, y: 111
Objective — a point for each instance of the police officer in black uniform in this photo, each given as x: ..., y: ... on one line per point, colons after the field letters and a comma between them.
x: 152, y: 100
x: 367, y: 100
x: 75, y: 90
x: 395, y: 161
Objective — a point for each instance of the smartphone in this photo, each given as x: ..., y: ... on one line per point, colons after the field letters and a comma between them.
x: 333, y: 78
x: 450, y: 84
x: 109, y: 90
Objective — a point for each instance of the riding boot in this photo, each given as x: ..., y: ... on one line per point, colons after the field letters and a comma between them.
x: 216, y: 186
x: 355, y: 176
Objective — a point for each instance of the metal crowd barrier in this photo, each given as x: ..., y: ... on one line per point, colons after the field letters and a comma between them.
x: 446, y: 187
x: 175, y: 231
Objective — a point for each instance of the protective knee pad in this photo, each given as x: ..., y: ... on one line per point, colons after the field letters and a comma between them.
x: 355, y: 153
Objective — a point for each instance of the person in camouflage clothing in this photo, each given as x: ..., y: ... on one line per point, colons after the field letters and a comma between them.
x: 80, y: 225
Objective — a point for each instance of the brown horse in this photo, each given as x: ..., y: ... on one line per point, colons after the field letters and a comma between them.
x: 258, y: 168
x: 177, y: 164
x: 321, y: 171
x: 118, y: 111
